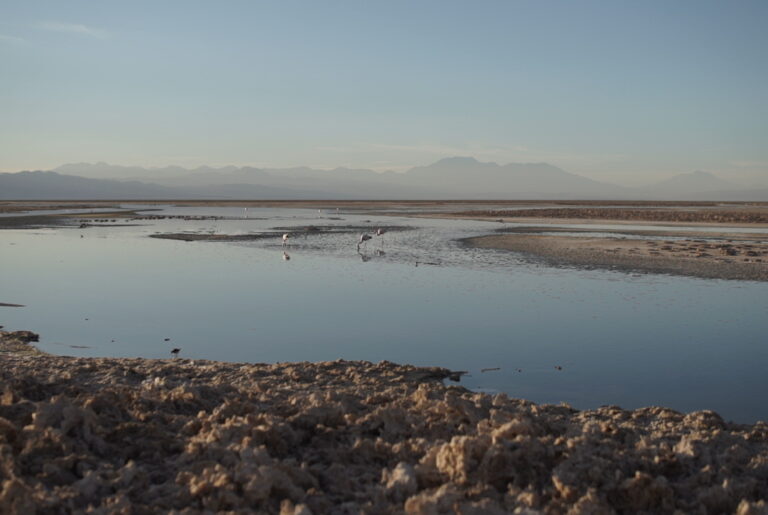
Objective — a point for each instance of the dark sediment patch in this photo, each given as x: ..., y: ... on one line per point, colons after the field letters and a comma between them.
x: 341, y: 229
x: 79, y: 220
x: 292, y: 231
x: 215, y: 237
x: 37, y: 221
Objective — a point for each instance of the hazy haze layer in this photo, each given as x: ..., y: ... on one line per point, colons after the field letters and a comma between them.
x: 450, y: 178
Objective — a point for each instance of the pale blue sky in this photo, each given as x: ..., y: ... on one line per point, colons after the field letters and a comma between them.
x: 622, y: 91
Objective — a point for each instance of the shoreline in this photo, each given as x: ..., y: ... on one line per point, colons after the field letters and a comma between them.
x: 346, y: 436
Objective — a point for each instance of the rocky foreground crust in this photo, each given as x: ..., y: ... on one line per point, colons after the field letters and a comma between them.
x: 136, y: 436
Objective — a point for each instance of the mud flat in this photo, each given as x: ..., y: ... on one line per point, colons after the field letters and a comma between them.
x: 277, y: 233
x: 745, y: 258
x: 140, y: 436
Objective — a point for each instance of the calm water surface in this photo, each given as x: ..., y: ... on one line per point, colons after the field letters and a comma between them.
x: 627, y: 339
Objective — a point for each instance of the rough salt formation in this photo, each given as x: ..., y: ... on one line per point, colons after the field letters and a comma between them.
x: 18, y: 343
x: 139, y: 436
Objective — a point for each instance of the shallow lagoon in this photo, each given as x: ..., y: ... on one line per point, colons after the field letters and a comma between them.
x: 626, y: 339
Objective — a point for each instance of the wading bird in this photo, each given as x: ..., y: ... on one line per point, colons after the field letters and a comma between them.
x: 175, y: 352
x: 380, y: 232
x: 363, y: 238
x: 285, y: 239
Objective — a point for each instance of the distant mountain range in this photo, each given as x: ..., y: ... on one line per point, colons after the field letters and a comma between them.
x: 450, y: 178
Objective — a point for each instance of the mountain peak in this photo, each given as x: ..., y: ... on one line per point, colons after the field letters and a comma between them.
x: 684, y: 184
x: 457, y: 160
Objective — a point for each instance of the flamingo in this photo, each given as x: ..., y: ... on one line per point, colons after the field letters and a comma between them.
x: 285, y: 239
x: 380, y: 232
x: 363, y: 238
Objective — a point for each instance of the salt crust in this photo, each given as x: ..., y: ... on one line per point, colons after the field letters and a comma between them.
x: 180, y: 436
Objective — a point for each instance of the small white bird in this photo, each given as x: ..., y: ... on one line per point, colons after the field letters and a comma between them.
x: 363, y: 238
x: 285, y: 239
x: 286, y: 257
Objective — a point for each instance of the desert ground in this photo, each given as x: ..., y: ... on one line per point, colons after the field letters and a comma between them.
x: 99, y: 435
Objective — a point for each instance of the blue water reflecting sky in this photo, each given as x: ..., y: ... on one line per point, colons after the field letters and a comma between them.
x: 631, y: 340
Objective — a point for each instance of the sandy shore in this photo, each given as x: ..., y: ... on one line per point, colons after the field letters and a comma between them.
x: 730, y: 256
x: 140, y: 436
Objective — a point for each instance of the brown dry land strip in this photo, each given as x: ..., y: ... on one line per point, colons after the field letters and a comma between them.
x: 746, y: 214
x: 17, y: 206
x: 739, y: 257
x: 146, y: 436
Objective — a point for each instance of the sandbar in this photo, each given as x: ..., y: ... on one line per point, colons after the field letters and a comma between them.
x: 713, y: 256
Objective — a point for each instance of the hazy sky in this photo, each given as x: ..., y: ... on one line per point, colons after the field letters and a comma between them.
x: 627, y: 91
